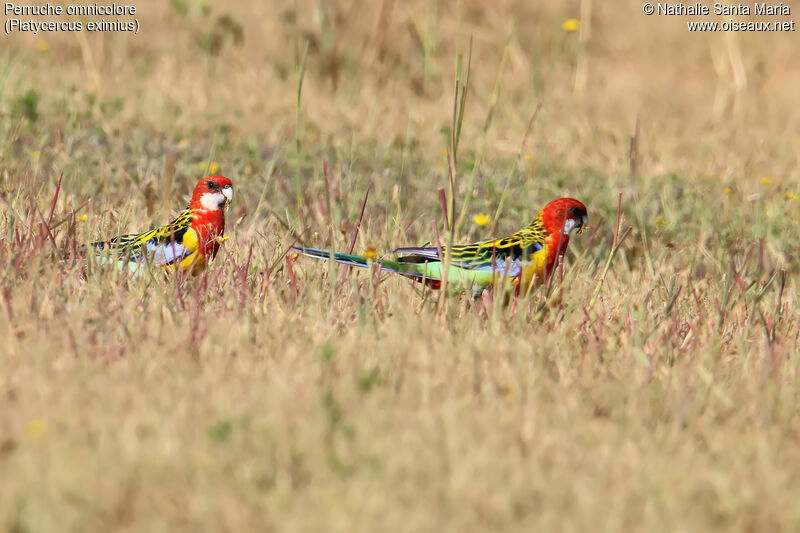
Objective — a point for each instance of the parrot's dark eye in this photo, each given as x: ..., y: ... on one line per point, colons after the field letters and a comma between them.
x: 575, y: 211
x: 212, y: 185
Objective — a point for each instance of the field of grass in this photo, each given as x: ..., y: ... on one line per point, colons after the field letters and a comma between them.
x: 275, y: 393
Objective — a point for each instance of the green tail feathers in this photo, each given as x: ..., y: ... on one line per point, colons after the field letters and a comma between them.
x: 409, y: 269
x: 348, y: 259
x: 428, y: 271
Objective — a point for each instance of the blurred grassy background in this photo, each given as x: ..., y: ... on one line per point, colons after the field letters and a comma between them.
x: 269, y: 395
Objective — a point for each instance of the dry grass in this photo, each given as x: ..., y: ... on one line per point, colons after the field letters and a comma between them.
x: 269, y: 395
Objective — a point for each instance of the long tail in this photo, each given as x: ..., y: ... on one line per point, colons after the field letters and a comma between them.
x: 431, y: 272
x: 347, y: 259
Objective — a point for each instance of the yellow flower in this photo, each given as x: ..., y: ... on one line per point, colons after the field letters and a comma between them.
x: 766, y: 181
x: 223, y: 238
x: 42, y: 45
x: 660, y: 221
x: 481, y: 219
x: 35, y: 429
x: 791, y: 196
x: 571, y: 25
x: 370, y: 252
x: 528, y: 158
x: 212, y: 166
x: 83, y: 218
x: 35, y: 154
x: 728, y: 191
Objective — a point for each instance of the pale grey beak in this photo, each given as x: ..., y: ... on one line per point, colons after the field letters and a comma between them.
x: 227, y: 192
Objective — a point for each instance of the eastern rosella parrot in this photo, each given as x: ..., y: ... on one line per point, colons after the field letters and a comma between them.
x: 189, y: 241
x: 527, y: 255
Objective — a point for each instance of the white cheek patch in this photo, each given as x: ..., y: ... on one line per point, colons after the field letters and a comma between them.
x: 212, y: 200
x: 570, y: 225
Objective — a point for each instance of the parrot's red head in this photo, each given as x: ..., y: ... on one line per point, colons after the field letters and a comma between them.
x: 563, y: 215
x: 212, y: 193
